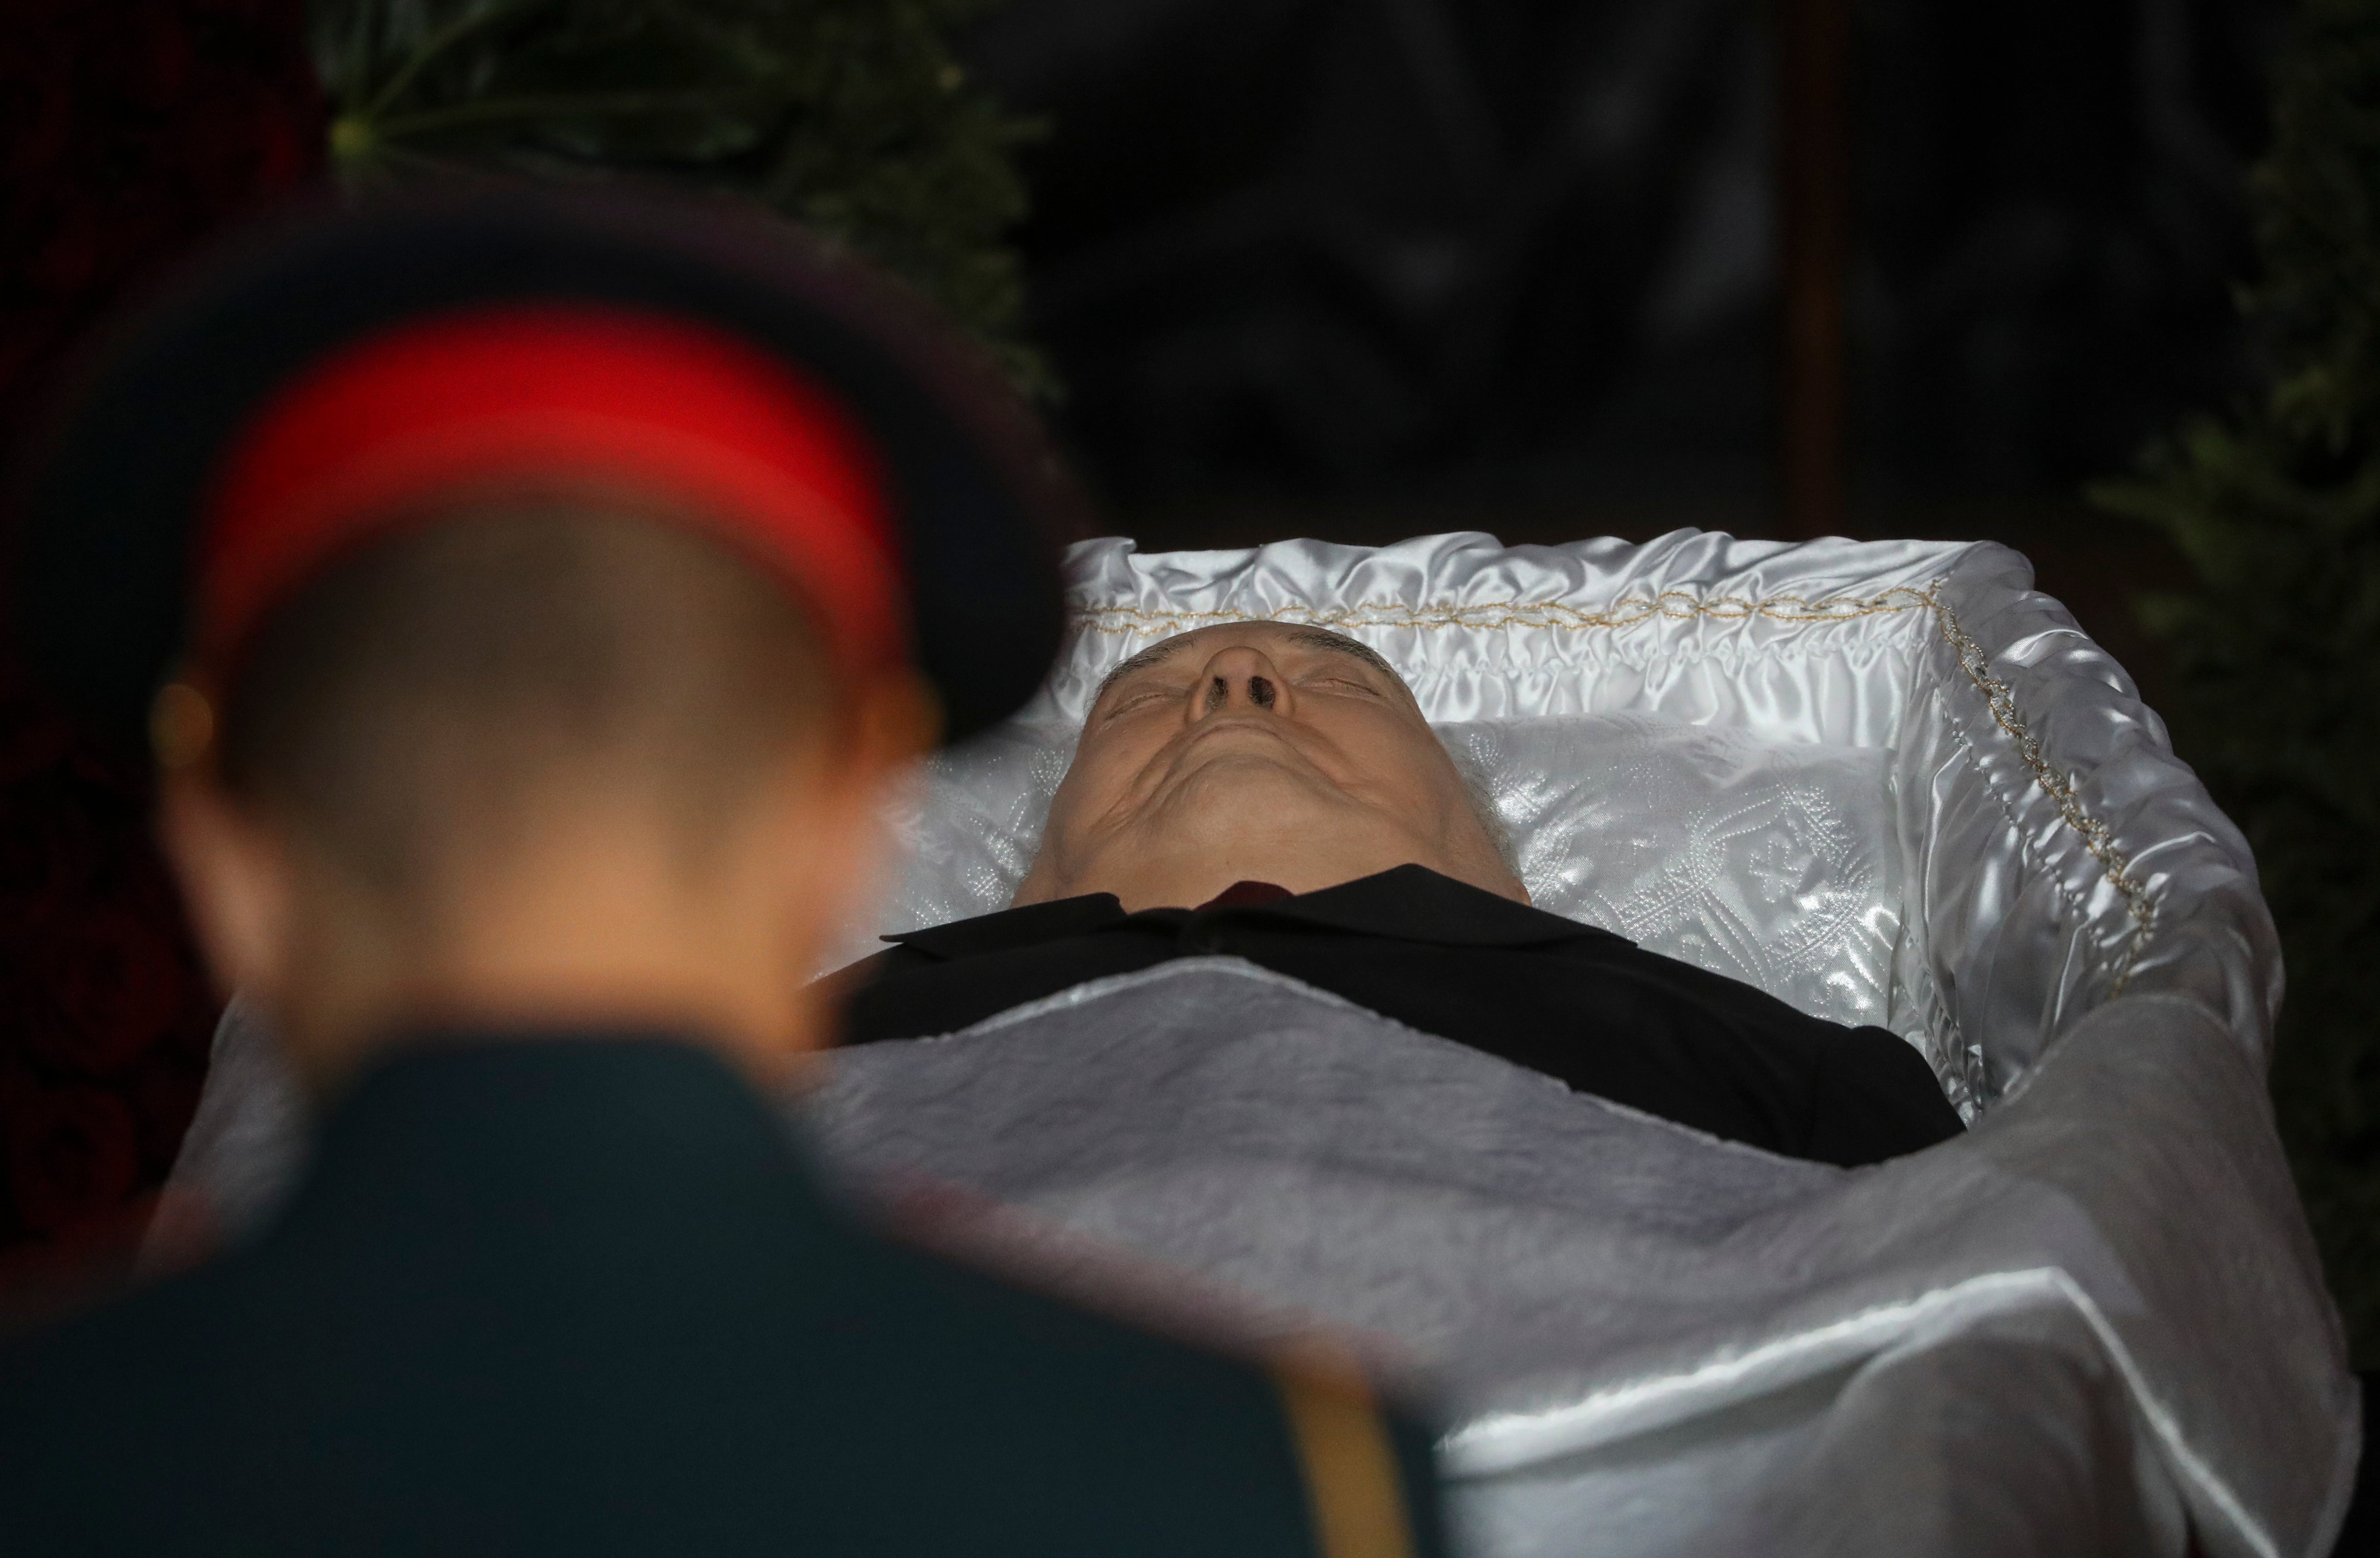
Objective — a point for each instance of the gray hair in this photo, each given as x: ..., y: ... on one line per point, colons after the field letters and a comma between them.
x: 1479, y: 789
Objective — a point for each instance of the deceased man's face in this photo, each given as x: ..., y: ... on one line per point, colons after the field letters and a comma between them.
x: 1257, y: 751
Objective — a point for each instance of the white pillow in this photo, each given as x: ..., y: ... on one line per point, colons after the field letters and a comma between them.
x: 1768, y: 862
x: 1772, y: 863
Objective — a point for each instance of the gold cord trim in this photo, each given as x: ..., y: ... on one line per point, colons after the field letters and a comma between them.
x: 2059, y: 787
x: 1674, y: 604
x: 1681, y: 605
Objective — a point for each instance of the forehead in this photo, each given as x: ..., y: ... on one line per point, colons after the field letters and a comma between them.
x: 1187, y: 649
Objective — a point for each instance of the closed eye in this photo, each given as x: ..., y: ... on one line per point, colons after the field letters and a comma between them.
x: 1134, y: 700
x: 1344, y: 684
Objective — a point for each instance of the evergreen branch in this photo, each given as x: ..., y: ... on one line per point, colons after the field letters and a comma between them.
x: 490, y: 111
x: 439, y: 43
x: 844, y: 113
x: 405, y: 156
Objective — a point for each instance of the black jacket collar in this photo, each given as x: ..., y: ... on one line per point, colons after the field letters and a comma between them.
x: 1408, y: 903
x: 455, y: 1128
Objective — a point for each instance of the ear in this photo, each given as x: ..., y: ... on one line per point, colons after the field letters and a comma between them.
x: 237, y: 885
x: 893, y: 721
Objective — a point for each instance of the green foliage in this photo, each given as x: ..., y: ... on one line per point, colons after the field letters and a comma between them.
x: 2277, y: 652
x: 849, y: 115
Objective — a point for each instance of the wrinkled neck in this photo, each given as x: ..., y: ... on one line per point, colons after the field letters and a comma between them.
x: 1174, y: 865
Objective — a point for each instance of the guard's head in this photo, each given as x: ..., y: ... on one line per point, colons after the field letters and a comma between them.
x: 527, y: 597
x: 1259, y: 751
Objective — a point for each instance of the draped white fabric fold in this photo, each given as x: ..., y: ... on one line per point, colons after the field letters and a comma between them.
x: 1657, y: 1343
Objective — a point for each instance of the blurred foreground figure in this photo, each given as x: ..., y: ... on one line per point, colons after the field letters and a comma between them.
x: 543, y: 592
x: 1273, y: 792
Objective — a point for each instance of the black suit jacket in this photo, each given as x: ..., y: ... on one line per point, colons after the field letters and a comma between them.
x: 1572, y: 1001
x: 582, y: 1295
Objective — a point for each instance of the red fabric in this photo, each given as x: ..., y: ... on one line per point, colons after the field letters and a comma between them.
x: 646, y: 403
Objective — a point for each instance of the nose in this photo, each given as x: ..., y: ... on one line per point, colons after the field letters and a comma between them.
x: 1238, y: 679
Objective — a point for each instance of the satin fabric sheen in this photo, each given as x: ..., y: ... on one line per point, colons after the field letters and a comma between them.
x: 2001, y: 920
x: 1768, y: 862
x: 1653, y: 1342
x: 2094, y: 1318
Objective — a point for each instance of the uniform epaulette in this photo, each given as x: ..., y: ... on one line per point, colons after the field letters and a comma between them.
x: 1353, y: 1483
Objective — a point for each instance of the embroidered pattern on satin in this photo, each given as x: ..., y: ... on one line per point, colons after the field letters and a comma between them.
x: 1764, y: 862
x: 1681, y: 605
x: 2034, y: 863
x: 1767, y: 862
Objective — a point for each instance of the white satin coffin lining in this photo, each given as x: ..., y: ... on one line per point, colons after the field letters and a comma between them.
x: 1887, y: 781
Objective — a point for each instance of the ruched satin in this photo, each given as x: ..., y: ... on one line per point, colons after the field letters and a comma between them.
x: 1860, y: 826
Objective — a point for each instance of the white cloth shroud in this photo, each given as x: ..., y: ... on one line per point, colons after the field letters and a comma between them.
x: 2091, y: 1321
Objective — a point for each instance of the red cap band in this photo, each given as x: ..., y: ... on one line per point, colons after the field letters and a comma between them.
x: 653, y: 404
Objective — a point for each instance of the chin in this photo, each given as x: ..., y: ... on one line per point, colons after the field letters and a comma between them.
x: 1228, y: 785
x: 1265, y: 820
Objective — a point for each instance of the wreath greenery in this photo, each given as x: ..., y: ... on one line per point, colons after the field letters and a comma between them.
x: 2277, y: 650
x: 852, y: 116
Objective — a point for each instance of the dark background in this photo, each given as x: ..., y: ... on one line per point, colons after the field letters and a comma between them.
x: 1372, y: 267
x: 130, y: 132
x: 1356, y: 269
